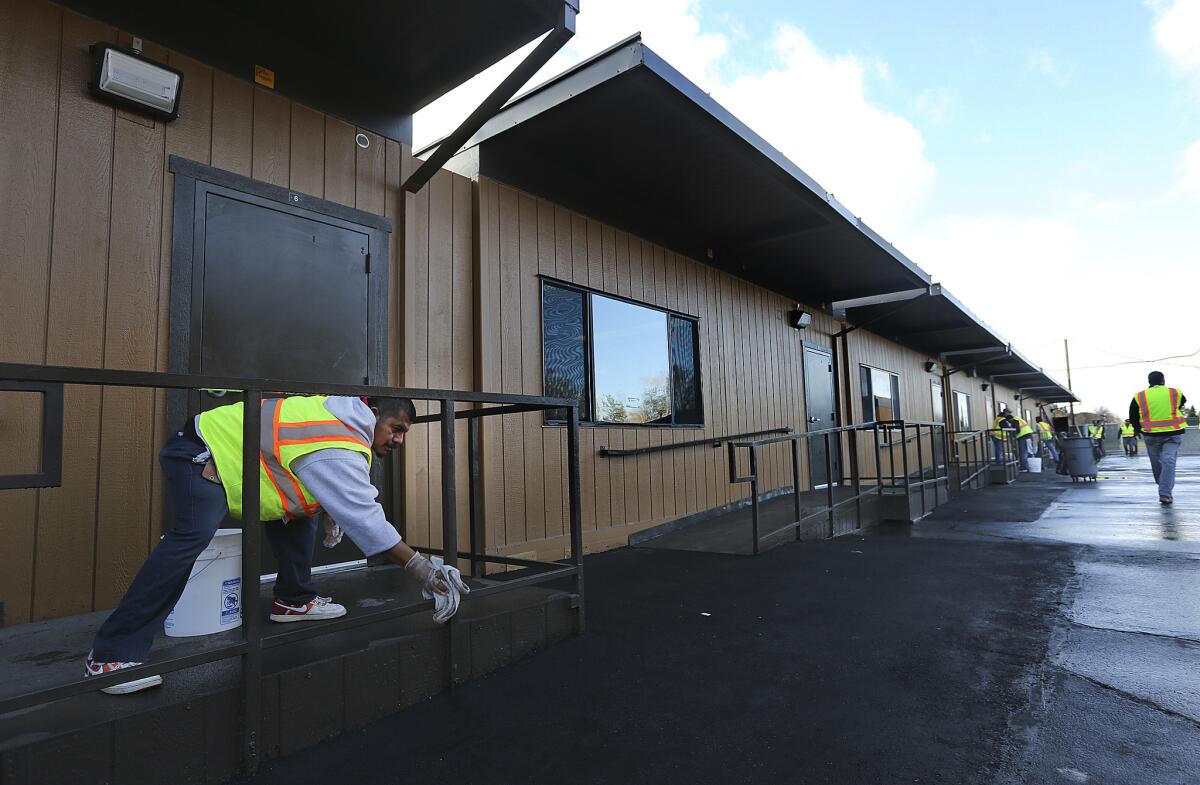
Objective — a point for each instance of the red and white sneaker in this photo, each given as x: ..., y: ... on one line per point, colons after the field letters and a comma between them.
x: 93, y: 668
x: 316, y: 609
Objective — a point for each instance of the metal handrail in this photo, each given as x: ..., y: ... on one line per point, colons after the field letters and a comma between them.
x: 252, y: 644
x: 715, y: 441
x: 831, y: 507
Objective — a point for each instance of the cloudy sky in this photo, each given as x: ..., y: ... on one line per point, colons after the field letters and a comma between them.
x: 1042, y: 160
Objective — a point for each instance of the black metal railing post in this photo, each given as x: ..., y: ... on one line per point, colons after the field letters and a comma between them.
x: 251, y: 559
x: 449, y: 487
x: 475, y: 490
x: 855, y: 476
x: 921, y: 466
x: 754, y: 495
x: 796, y: 484
x: 829, y: 484
x: 574, y: 502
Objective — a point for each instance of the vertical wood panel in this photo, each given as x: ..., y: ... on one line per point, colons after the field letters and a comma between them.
x: 340, y: 161
x: 489, y: 343
x: 438, y: 283
x: 416, y: 362
x: 551, y: 438
x: 306, y: 172
x: 272, y: 131
x: 232, y: 124
x: 30, y: 36
x: 531, y: 367
x: 512, y: 369
x: 131, y: 322
x: 462, y: 328
x: 78, y: 270
x: 369, y: 180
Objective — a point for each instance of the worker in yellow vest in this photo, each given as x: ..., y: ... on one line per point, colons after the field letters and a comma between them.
x: 1046, y: 438
x: 1129, y: 439
x: 1096, y: 433
x: 1024, y: 442
x: 1156, y: 414
x: 316, y: 456
x: 1004, y: 427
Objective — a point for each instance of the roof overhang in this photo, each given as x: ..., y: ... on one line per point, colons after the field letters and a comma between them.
x: 943, y: 327
x: 373, y: 62
x: 624, y: 138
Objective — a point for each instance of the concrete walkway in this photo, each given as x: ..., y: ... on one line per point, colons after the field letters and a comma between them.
x: 1034, y: 633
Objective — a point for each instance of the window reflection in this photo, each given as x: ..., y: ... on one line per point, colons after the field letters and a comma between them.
x: 630, y: 362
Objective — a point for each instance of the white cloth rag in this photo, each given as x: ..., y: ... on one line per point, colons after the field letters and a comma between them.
x: 445, y: 604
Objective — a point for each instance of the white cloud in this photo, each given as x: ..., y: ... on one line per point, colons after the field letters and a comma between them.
x: 1177, y: 33
x: 813, y: 107
x: 809, y: 104
x: 1043, y: 63
x: 1189, y: 172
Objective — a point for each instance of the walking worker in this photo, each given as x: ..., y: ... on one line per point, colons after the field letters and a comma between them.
x: 316, y: 455
x: 1156, y: 415
x: 1129, y: 439
x: 1096, y: 431
x: 1046, y: 434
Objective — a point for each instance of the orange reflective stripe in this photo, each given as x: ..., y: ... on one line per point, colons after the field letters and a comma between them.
x: 292, y: 502
x: 282, y: 499
x: 1143, y: 406
x: 1174, y: 402
x: 308, y: 508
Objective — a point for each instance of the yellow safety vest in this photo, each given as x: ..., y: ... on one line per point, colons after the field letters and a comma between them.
x: 291, y: 427
x: 1024, y: 429
x: 1158, y: 407
x: 1047, y: 433
x: 1096, y: 431
x: 997, y: 433
x: 1126, y: 430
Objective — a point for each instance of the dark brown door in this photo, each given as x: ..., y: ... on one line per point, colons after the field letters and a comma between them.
x: 821, y: 414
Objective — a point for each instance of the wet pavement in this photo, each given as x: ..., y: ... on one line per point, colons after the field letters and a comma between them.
x: 1043, y: 632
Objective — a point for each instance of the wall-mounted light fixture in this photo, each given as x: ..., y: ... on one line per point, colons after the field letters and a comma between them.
x: 799, y: 319
x: 985, y: 386
x: 932, y: 367
x: 128, y: 80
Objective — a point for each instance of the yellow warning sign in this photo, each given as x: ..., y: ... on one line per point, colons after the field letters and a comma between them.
x: 264, y: 76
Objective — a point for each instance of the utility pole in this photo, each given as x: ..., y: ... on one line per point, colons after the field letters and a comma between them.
x: 1070, y: 387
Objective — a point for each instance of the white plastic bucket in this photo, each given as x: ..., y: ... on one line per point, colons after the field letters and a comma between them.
x: 212, y: 601
x: 1035, y: 464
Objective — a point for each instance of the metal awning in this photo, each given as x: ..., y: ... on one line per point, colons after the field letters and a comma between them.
x: 941, y: 326
x: 624, y: 138
x: 374, y: 62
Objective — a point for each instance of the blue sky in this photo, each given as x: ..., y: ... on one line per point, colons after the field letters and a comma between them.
x: 1041, y: 160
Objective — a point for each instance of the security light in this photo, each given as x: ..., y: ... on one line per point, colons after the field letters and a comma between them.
x: 986, y: 386
x: 799, y: 319
x: 128, y: 80
x: 932, y: 367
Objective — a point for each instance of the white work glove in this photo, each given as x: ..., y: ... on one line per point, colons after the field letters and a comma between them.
x: 333, y: 532
x: 441, y: 583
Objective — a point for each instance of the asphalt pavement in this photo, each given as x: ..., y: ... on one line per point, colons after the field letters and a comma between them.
x: 1042, y: 632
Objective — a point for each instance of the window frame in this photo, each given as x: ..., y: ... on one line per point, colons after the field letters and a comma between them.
x: 893, y: 393
x: 954, y: 399
x: 589, y: 355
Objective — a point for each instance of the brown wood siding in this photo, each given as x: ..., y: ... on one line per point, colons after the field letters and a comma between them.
x: 751, y: 371
x: 85, y: 233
